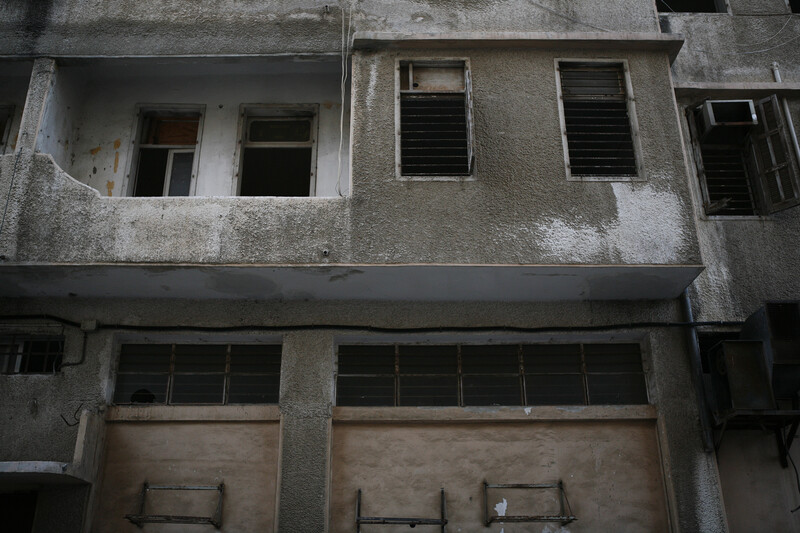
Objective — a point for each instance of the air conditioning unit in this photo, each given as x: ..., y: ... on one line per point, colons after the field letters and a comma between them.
x: 777, y: 325
x: 726, y: 121
x: 740, y: 378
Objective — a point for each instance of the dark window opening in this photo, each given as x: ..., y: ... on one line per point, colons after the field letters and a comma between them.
x: 744, y: 158
x: 690, y: 6
x: 435, y: 120
x: 6, y: 114
x: 596, y: 120
x: 795, y: 6
x: 18, y: 510
x: 198, y: 374
x: 31, y: 355
x: 166, y: 154
x: 277, y: 157
x: 467, y: 375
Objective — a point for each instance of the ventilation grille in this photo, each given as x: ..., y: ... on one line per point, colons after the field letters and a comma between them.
x: 434, y: 135
x: 729, y: 189
x: 597, y: 124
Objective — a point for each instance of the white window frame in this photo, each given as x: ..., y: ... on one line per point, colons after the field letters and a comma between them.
x: 129, y: 183
x: 637, y: 146
x: 432, y: 62
x: 250, y: 112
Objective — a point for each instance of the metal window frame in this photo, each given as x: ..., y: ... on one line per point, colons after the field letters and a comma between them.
x: 565, y: 510
x: 434, y: 62
x: 18, y: 361
x: 140, y: 116
x: 634, y: 123
x: 405, y: 521
x: 141, y: 518
x: 249, y: 112
x: 522, y: 372
x: 227, y: 374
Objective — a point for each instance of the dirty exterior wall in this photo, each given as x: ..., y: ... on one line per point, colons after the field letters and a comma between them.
x: 104, y: 117
x: 241, y: 454
x: 611, y: 472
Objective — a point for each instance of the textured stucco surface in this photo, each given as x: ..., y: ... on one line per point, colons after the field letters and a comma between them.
x: 74, y: 27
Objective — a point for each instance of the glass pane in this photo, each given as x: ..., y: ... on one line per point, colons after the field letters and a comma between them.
x: 428, y: 360
x: 491, y: 390
x: 280, y: 130
x: 180, y: 174
x: 428, y: 390
x: 365, y: 391
x: 366, y: 359
x: 500, y: 359
x: 613, y: 358
x: 254, y: 389
x: 200, y: 358
x: 145, y: 358
x: 256, y: 359
x: 554, y: 389
x: 615, y: 389
x: 141, y: 388
x: 197, y: 388
x: 551, y: 358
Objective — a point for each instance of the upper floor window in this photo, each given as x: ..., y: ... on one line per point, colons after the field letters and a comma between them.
x: 744, y: 156
x: 691, y: 6
x: 198, y: 374
x: 598, y: 121
x: 166, y: 161
x: 279, y: 151
x: 467, y: 375
x: 24, y: 354
x: 434, y: 118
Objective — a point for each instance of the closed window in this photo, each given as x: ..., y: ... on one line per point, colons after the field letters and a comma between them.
x: 434, y: 119
x: 167, y: 145
x: 472, y: 375
x: 30, y: 354
x: 198, y: 374
x: 744, y: 156
x: 278, y: 151
x: 597, y: 120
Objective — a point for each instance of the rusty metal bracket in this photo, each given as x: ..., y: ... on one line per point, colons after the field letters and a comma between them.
x: 394, y: 521
x: 565, y: 515
x: 142, y: 518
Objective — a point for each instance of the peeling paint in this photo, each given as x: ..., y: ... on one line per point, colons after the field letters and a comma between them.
x: 527, y: 410
x: 501, y: 508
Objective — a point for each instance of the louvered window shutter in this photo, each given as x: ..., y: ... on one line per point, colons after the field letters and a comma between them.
x: 772, y: 157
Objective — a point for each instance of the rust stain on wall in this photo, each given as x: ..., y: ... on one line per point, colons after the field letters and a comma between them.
x: 94, y: 151
x: 110, y: 184
x: 116, y: 162
x: 117, y: 143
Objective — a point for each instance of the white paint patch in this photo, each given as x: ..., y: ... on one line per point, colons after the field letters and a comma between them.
x: 570, y: 242
x: 304, y: 16
x: 561, y: 529
x: 373, y: 82
x: 527, y: 410
x: 501, y: 508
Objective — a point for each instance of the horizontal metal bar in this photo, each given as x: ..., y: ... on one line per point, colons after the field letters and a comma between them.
x: 184, y: 487
x: 543, y: 518
x: 401, y: 521
x: 522, y: 485
x: 169, y: 519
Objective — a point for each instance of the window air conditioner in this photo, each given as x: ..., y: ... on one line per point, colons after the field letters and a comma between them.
x: 740, y: 378
x: 721, y: 121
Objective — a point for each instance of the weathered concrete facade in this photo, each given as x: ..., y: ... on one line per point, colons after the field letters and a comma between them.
x: 511, y: 253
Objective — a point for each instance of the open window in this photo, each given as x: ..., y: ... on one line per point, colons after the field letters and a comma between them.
x: 691, y: 6
x: 279, y: 151
x: 6, y: 116
x: 434, y: 118
x: 24, y: 354
x: 166, y: 162
x: 745, y: 159
x: 598, y: 121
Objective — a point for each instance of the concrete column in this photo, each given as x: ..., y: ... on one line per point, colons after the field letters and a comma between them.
x: 43, y: 77
x: 306, y: 400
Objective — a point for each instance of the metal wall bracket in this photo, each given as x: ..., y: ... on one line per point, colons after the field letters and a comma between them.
x: 142, y: 518
x: 411, y: 522
x: 565, y: 515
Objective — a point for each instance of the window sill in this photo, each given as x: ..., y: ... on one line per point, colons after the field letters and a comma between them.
x: 436, y: 178
x: 193, y: 413
x: 623, y: 179
x: 493, y: 414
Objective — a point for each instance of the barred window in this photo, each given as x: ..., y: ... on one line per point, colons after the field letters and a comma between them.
x: 596, y: 114
x: 198, y: 374
x: 475, y: 375
x: 21, y: 354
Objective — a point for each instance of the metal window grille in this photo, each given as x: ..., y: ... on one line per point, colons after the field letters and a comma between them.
x: 435, y: 120
x: 31, y: 355
x: 473, y: 375
x: 198, y: 374
x: 596, y: 120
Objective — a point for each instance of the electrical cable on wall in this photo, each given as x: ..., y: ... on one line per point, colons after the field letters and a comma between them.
x: 346, y: 37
